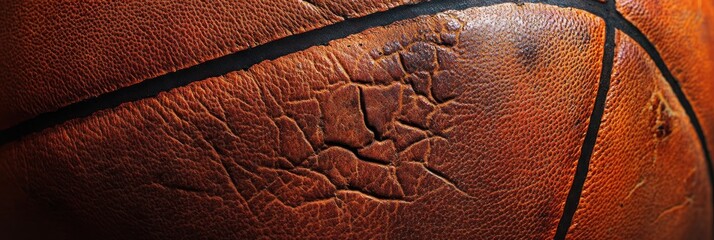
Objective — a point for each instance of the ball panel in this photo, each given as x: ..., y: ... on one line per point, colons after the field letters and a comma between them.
x: 483, y: 139
x: 648, y: 175
x: 682, y: 33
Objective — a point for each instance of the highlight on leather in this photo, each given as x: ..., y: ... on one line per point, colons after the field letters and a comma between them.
x: 475, y: 119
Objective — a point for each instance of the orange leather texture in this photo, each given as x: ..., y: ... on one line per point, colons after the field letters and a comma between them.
x: 463, y: 124
x: 55, y: 53
x: 647, y: 178
x: 467, y: 123
x: 683, y: 33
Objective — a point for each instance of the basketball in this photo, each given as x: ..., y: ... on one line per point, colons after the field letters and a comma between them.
x: 357, y: 119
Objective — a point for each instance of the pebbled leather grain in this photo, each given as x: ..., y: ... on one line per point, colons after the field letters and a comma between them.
x: 683, y: 33
x: 648, y: 176
x: 467, y: 123
x: 54, y: 53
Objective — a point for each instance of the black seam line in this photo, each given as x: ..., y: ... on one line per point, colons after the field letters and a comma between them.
x: 240, y: 60
x: 244, y: 59
x: 631, y: 30
x: 586, y: 150
x: 616, y: 21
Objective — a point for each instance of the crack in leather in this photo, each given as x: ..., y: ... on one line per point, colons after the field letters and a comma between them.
x: 363, y: 99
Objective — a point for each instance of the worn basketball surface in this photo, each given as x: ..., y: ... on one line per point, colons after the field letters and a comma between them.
x: 357, y: 119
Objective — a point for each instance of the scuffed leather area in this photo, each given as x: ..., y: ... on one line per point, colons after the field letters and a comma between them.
x: 467, y: 123
x: 648, y: 176
x: 683, y: 33
x: 54, y: 53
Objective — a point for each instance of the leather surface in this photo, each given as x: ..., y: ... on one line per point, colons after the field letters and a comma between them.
x: 682, y: 32
x: 54, y: 53
x: 647, y: 178
x: 467, y: 123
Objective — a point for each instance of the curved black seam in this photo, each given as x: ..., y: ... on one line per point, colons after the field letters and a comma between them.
x: 586, y: 150
x: 240, y: 60
x: 630, y: 29
x: 244, y: 59
x: 633, y: 32
x: 616, y: 21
